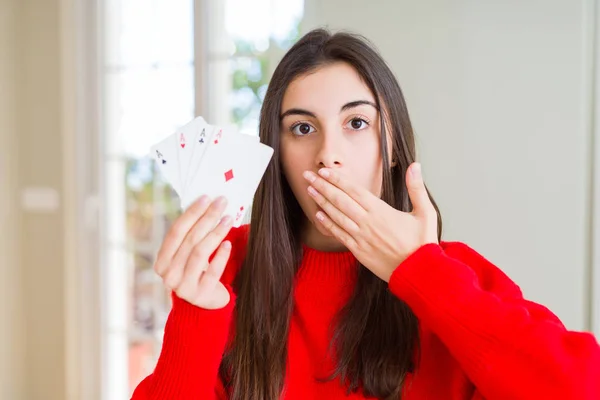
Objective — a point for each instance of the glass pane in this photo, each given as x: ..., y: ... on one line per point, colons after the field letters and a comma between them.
x: 141, y: 32
x: 249, y: 84
x: 174, y: 31
x: 143, y: 321
x: 117, y: 312
x: 144, y: 105
x: 114, y: 202
x: 262, y: 31
x: 152, y: 205
x: 129, y: 32
x: 259, y: 21
x: 140, y: 200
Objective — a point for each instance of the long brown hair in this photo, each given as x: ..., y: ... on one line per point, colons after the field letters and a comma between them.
x: 375, y: 336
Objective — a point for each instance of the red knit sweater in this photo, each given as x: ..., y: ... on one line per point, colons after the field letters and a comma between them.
x: 479, y: 338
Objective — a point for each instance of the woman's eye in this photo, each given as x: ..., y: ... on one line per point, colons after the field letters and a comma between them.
x: 302, y: 129
x: 358, y: 124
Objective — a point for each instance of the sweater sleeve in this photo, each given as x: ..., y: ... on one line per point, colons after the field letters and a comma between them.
x: 191, y: 353
x: 509, y: 347
x: 193, y: 344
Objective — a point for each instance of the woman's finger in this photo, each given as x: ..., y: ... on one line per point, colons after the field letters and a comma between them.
x: 203, y: 226
x: 336, y: 196
x: 339, y: 233
x: 211, y: 277
x: 178, y: 232
x: 418, y: 192
x: 333, y: 212
x: 360, y: 194
x: 199, y: 256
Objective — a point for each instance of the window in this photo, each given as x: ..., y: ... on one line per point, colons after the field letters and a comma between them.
x: 149, y: 86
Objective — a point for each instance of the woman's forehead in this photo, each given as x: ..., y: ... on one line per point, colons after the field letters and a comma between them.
x: 327, y: 88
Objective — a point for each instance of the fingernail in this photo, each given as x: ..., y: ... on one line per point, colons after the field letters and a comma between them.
x: 309, y: 176
x: 415, y: 170
x: 203, y: 200
x: 312, y: 191
x: 227, y: 245
x: 324, y: 173
x: 226, y: 220
x: 221, y: 201
x: 320, y: 216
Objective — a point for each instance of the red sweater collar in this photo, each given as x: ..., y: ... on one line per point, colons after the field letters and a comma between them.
x: 329, y: 267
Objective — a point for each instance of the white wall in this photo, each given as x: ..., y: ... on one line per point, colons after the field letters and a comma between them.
x: 39, y: 148
x: 498, y: 93
x: 32, y: 316
x: 11, y: 343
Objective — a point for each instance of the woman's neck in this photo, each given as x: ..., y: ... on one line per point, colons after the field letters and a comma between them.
x: 312, y: 237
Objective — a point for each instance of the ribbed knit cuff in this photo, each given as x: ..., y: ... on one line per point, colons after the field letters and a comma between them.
x: 190, y: 314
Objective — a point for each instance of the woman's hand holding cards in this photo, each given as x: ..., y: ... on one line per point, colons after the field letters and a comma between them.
x: 183, y: 259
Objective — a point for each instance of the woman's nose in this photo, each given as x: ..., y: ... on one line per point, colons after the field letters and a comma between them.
x: 330, y: 152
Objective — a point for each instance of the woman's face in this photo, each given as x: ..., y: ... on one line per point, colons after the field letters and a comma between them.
x: 329, y: 119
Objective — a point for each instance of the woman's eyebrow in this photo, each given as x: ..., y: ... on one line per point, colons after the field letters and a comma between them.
x: 347, y: 106
x: 297, y: 111
x: 357, y: 103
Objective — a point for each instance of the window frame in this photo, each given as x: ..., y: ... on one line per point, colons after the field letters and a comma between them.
x: 79, y: 41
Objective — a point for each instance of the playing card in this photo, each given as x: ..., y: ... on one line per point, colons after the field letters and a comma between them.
x: 187, y: 139
x: 200, y: 145
x: 208, y: 135
x: 165, y: 154
x: 232, y: 166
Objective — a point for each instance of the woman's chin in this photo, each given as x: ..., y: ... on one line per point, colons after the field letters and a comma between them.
x: 324, y: 231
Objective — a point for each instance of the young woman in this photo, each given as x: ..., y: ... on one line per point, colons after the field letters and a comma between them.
x: 341, y: 286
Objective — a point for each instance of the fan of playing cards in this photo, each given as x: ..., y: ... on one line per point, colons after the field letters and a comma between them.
x: 202, y: 159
